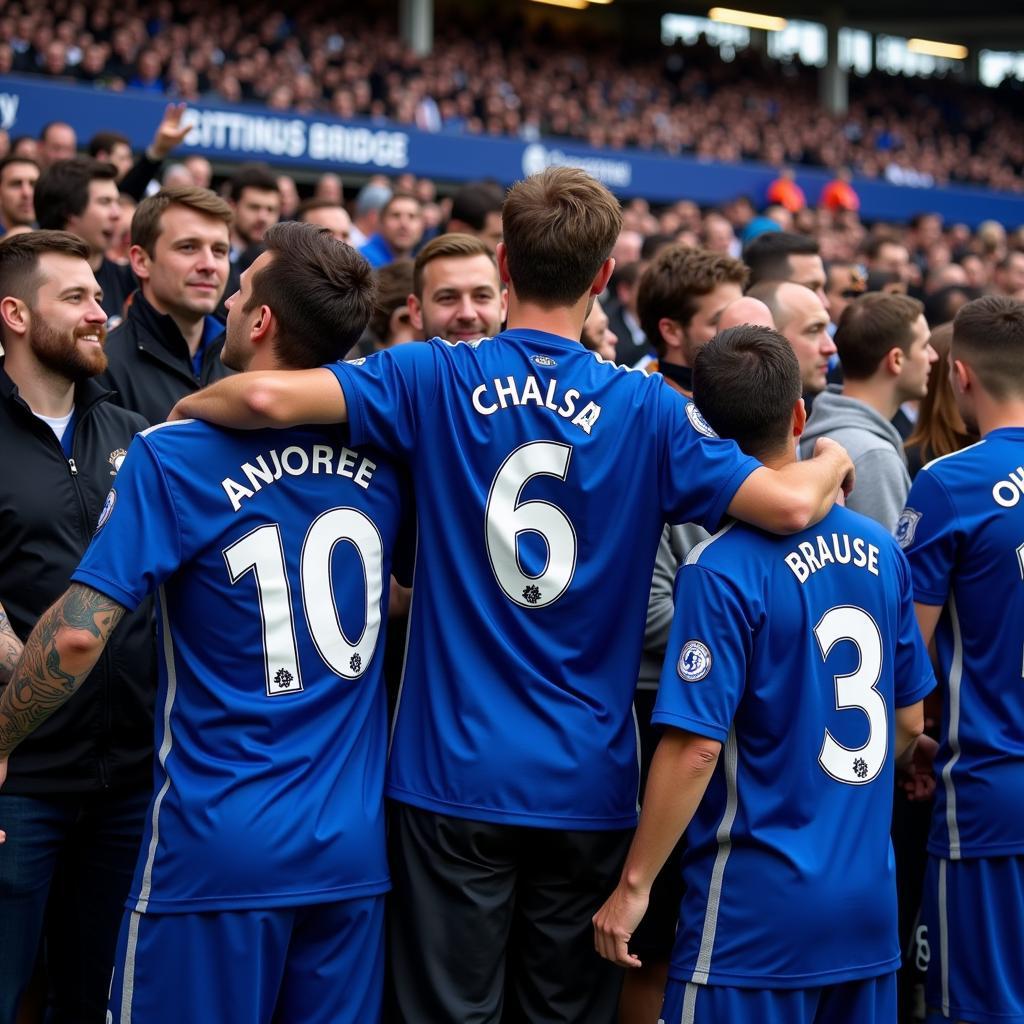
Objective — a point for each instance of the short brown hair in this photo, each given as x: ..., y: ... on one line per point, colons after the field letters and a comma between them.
x: 394, y: 283
x: 307, y: 205
x: 560, y: 226
x: 675, y: 280
x: 320, y: 290
x: 988, y: 335
x: 19, y: 260
x: 445, y: 247
x: 871, y: 326
x: 146, y: 222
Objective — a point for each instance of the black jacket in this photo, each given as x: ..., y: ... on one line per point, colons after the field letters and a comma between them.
x: 149, y: 363
x: 49, y: 507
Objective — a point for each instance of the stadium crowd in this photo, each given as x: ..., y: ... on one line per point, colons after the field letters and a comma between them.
x: 853, y: 318
x: 685, y: 100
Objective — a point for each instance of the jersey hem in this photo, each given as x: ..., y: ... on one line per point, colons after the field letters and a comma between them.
x: 727, y: 492
x: 499, y: 817
x: 104, y: 586
x: 353, y: 402
x: 788, y: 981
x: 905, y: 700
x: 260, y: 902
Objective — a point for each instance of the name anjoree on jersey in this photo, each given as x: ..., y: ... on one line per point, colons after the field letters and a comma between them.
x: 507, y: 392
x: 296, y: 460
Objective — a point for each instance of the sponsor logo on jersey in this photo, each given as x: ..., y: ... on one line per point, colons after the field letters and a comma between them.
x: 108, y: 507
x: 115, y: 458
x: 698, y: 422
x: 357, y: 362
x: 906, y: 527
x: 694, y: 662
x: 544, y: 360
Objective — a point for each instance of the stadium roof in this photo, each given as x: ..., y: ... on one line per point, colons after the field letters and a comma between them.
x: 982, y: 24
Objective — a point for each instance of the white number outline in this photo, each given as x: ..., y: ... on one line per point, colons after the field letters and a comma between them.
x: 273, y: 556
x: 493, y: 534
x: 849, y: 689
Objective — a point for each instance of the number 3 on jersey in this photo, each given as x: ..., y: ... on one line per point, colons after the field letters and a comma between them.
x: 857, y: 690
x: 261, y: 551
x: 506, y: 518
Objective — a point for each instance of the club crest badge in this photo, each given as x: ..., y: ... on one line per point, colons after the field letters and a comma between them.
x: 906, y: 527
x: 115, y: 458
x: 694, y: 662
x: 108, y: 508
x: 544, y: 360
x: 698, y: 422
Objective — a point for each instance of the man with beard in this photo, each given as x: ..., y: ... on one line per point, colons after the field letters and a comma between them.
x: 170, y: 341
x: 81, y: 196
x: 456, y: 292
x: 18, y: 177
x: 401, y: 230
x: 76, y: 793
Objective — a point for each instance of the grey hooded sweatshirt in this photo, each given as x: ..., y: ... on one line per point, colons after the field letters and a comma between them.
x: 874, y: 445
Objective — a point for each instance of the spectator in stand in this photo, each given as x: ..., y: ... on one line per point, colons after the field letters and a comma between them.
x: 801, y: 318
x: 400, y: 230
x: 372, y: 197
x: 886, y: 356
x: 80, y: 196
x: 170, y: 342
x: 888, y: 256
x: 628, y: 247
x: 112, y: 148
x: 391, y: 322
x: 329, y: 186
x: 256, y: 204
x: 844, y: 282
x: 680, y: 300
x: 597, y: 335
x: 327, y: 214
x: 18, y: 177
x: 632, y: 347
x: 456, y: 293
x: 745, y: 312
x: 786, y: 256
x: 57, y: 141
x: 476, y: 210
x: 1008, y: 277
x: 26, y: 146
x: 289, y: 196
x: 839, y: 194
x: 200, y: 169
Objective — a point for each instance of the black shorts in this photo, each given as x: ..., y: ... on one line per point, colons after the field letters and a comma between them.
x: 492, y: 923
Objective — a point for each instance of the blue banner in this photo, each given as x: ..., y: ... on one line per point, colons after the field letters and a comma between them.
x: 324, y: 143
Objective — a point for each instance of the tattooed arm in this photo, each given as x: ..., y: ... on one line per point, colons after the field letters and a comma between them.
x: 10, y: 647
x: 62, y: 650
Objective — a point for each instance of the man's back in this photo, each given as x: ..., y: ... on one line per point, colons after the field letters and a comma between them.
x: 963, y: 531
x: 543, y: 477
x: 272, y: 555
x: 794, y: 653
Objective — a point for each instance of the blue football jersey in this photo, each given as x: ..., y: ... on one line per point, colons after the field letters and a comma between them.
x: 543, y: 476
x: 271, y: 553
x: 963, y: 532
x: 794, y: 652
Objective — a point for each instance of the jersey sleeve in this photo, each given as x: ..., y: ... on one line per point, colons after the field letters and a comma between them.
x: 928, y: 532
x: 914, y: 676
x: 137, y: 544
x: 706, y: 660
x: 700, y: 472
x: 385, y: 394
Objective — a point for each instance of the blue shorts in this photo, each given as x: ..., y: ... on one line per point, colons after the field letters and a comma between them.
x: 869, y: 1001
x: 320, y: 964
x: 974, y: 913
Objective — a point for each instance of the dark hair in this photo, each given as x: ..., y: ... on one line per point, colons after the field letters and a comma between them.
x: 394, y: 283
x: 19, y: 259
x: 45, y: 130
x: 871, y: 326
x: 12, y: 159
x: 873, y: 246
x: 308, y: 205
x: 395, y: 196
x: 320, y: 290
x: 453, y: 244
x: 654, y: 244
x: 560, y: 226
x: 673, y: 284
x: 746, y: 381
x: 941, y: 306
x: 767, y: 256
x: 62, y: 191
x: 472, y: 203
x: 104, y: 142
x: 255, y: 176
x: 988, y: 335
x: 146, y: 222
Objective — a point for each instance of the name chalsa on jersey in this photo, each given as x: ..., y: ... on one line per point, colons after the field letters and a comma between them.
x: 321, y: 459
x: 504, y: 393
x: 811, y: 556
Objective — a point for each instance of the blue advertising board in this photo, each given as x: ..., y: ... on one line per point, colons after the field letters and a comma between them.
x: 321, y: 142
